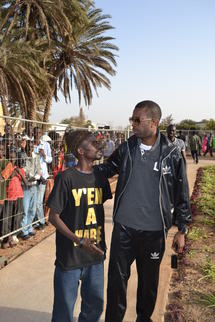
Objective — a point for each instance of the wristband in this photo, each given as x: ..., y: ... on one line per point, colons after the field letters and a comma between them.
x: 81, y: 241
x: 184, y: 230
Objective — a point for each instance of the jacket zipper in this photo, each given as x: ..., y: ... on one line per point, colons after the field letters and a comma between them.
x: 162, y: 217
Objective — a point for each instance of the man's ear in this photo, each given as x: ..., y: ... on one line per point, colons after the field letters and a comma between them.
x: 156, y: 122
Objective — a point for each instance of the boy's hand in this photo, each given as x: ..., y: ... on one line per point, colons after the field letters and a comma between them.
x: 89, y: 245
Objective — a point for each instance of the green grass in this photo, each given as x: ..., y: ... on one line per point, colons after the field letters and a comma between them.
x: 208, y: 270
x: 209, y: 249
x: 195, y: 233
x: 192, y: 253
x: 208, y: 221
x: 208, y: 300
x: 206, y: 199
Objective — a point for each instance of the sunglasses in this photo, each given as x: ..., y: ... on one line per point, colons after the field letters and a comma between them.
x: 137, y: 120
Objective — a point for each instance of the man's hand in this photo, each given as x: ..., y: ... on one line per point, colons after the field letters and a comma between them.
x: 32, y: 179
x: 14, y: 173
x: 42, y: 153
x: 178, y: 242
x: 88, y: 244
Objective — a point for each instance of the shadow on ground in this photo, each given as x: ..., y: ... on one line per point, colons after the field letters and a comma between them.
x: 8, y: 314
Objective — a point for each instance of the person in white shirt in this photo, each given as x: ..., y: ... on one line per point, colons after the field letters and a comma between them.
x: 44, y: 150
x: 109, y: 146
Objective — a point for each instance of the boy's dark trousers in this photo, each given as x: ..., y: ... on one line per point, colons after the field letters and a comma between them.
x: 147, y: 248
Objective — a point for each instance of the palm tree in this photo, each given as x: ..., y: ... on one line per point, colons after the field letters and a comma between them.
x: 83, y: 62
x: 73, y: 32
x: 41, y: 23
x: 42, y: 18
x: 22, y: 81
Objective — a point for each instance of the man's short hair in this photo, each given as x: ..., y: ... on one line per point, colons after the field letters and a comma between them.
x: 170, y: 126
x: 153, y: 110
x: 74, y: 139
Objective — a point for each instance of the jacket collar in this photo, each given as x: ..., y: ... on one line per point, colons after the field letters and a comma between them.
x: 165, y: 148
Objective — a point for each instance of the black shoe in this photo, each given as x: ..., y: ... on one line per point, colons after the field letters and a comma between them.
x: 32, y: 233
x: 42, y: 226
x: 25, y: 237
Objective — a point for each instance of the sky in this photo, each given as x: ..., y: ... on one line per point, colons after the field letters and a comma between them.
x: 166, y: 54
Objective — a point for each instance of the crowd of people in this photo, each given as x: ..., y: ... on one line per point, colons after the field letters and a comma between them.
x: 24, y: 161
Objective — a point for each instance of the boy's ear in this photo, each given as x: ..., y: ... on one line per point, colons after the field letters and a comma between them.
x: 80, y: 151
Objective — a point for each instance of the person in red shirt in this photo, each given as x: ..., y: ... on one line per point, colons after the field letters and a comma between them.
x: 13, y: 206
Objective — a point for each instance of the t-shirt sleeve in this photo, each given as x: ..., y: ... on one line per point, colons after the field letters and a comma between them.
x: 59, y: 195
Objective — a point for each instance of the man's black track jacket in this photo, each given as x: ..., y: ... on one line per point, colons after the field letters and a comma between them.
x: 173, y: 185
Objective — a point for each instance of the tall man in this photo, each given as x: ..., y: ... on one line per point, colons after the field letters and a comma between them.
x: 44, y: 150
x: 152, y: 184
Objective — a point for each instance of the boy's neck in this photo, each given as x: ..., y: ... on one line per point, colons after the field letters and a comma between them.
x: 85, y: 166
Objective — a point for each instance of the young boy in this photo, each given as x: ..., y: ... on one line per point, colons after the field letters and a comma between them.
x: 77, y: 212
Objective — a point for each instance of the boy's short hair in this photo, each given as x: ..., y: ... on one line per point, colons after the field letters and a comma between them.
x: 74, y: 139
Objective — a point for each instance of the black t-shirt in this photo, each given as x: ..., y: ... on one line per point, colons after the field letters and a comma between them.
x: 79, y: 198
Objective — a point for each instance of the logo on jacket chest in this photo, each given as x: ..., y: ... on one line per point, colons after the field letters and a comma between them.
x: 165, y: 169
x: 156, y: 166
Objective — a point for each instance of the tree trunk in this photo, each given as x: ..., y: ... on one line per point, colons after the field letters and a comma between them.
x: 51, y: 94
x: 4, y: 106
x: 48, y: 107
x: 31, y: 111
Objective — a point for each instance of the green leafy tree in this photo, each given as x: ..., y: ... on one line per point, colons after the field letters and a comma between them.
x: 165, y: 122
x: 187, y: 125
x: 210, y: 124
